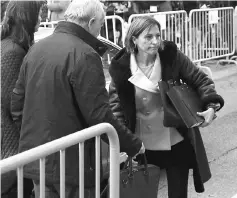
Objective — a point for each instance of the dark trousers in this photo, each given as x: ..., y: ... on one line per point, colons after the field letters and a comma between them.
x: 177, y: 163
x: 177, y: 178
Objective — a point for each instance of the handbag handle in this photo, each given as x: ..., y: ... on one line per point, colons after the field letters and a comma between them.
x: 128, y: 163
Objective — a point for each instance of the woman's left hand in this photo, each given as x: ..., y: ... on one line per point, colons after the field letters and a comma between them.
x: 208, y: 116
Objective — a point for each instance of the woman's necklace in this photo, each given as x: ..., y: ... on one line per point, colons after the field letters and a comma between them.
x: 147, y: 70
x: 146, y: 66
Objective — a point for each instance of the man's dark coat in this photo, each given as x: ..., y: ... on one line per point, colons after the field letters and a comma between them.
x: 61, y: 90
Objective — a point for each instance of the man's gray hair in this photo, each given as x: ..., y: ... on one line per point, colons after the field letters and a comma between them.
x: 81, y: 11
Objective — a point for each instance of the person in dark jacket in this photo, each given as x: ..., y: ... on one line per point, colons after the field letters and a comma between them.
x: 135, y: 99
x: 61, y: 90
x: 21, y: 20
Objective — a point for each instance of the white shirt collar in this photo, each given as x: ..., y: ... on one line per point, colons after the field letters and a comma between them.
x: 139, y: 79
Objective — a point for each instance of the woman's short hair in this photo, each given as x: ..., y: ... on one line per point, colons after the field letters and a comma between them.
x: 138, y: 25
x: 20, y: 20
x: 81, y: 11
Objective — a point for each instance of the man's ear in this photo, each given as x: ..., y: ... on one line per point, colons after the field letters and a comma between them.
x: 92, y: 20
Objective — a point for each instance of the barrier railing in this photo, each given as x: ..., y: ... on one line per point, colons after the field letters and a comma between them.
x: 235, y: 35
x: 173, y: 26
x: 235, y: 27
x: 51, y: 24
x: 39, y: 153
x: 206, y: 34
x: 211, y: 33
x: 113, y: 29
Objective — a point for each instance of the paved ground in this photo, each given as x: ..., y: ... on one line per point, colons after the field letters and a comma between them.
x: 220, y: 140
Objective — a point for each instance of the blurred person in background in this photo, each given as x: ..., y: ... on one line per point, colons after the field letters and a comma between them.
x: 57, y: 9
x: 138, y: 7
x: 20, y: 22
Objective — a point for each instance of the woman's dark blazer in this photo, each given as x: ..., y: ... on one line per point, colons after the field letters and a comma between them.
x: 174, y: 65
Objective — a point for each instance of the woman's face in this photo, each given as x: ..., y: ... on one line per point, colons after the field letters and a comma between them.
x: 148, y: 41
x: 39, y: 21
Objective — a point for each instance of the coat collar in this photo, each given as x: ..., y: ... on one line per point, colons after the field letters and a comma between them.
x: 139, y: 79
x: 76, y: 30
x: 120, y: 68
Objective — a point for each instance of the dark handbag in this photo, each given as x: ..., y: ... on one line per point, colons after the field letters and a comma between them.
x: 181, y: 104
x: 139, y: 181
x: 171, y: 115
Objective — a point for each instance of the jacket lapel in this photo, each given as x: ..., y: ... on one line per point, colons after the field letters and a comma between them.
x: 139, y: 79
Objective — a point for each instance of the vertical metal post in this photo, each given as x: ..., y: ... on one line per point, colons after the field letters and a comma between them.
x: 195, y: 39
x: 228, y: 31
x: 203, y: 17
x: 81, y: 169
x: 20, y: 182
x: 114, y: 30
x: 106, y: 30
x: 199, y: 35
x: 62, y: 173
x: 114, y: 171
x: 97, y: 179
x: 186, y: 32
x: 42, y: 177
x: 209, y: 37
x: 225, y: 29
x: 168, y: 29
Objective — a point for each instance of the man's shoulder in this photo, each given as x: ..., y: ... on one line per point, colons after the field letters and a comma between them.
x: 64, y: 41
x: 84, y: 49
x: 62, y: 46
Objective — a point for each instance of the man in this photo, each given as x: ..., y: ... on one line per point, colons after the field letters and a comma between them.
x: 61, y: 90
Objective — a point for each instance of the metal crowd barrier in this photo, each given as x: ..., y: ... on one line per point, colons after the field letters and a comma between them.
x: 235, y: 35
x: 18, y: 161
x: 51, y: 24
x: 235, y: 27
x: 211, y: 33
x: 173, y: 26
x: 113, y: 29
x: 206, y: 34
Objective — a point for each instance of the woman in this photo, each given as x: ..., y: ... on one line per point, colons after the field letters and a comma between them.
x: 135, y: 100
x: 21, y: 21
